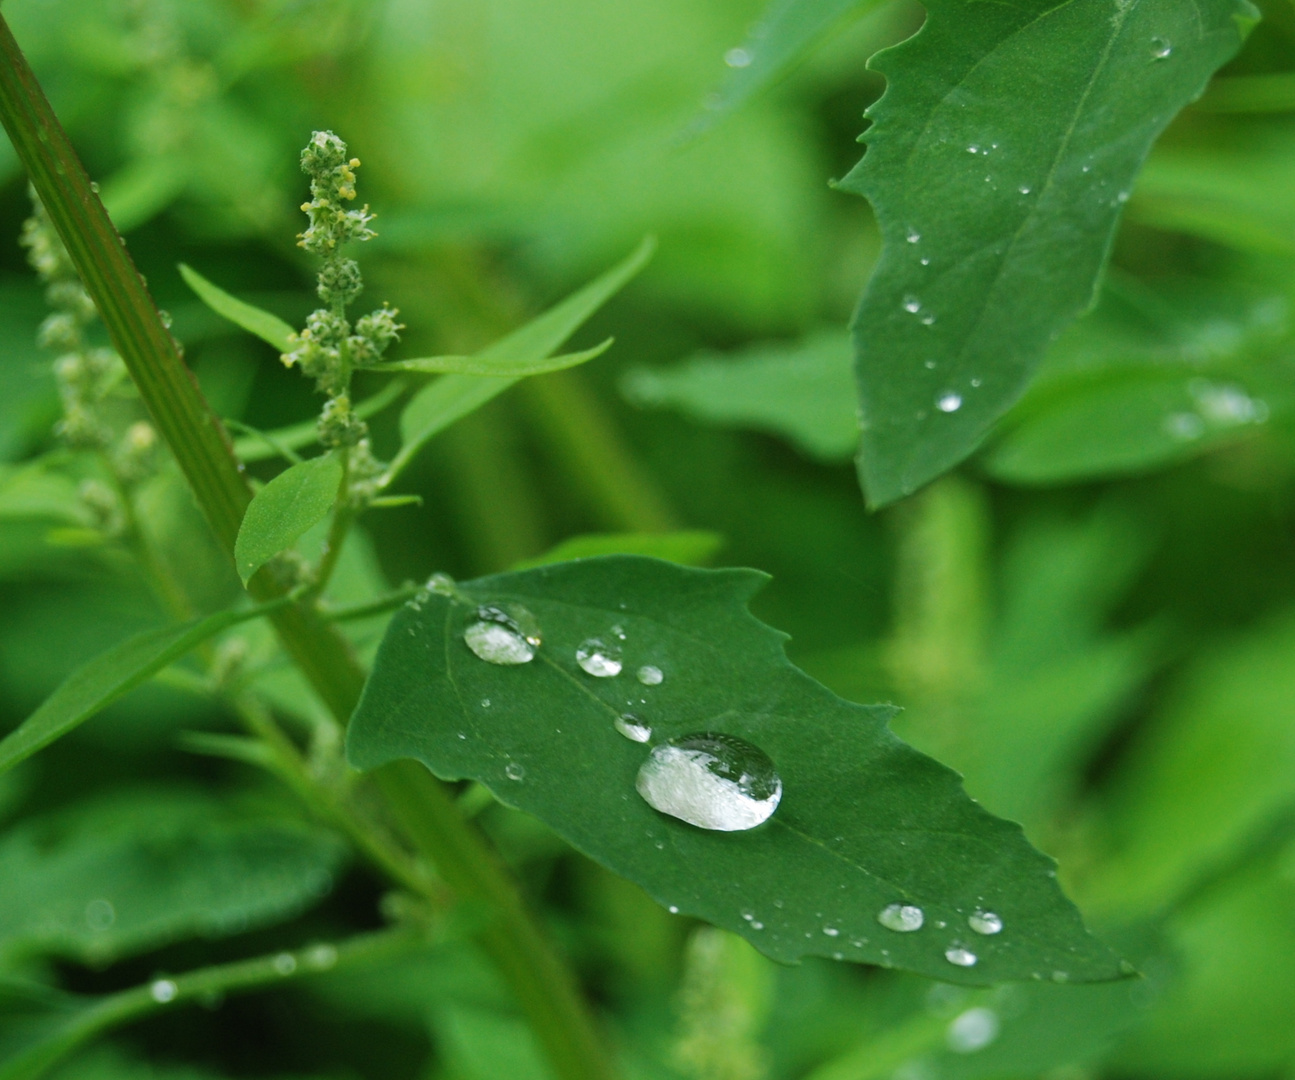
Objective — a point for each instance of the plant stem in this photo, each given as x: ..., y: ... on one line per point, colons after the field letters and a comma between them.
x: 205, y: 984
x: 544, y: 988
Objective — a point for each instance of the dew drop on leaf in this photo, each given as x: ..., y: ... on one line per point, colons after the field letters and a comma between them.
x: 912, y: 304
x: 1160, y: 48
x: 162, y: 991
x: 514, y: 771
x: 285, y: 963
x: 831, y: 931
x: 441, y: 584
x: 913, y: 236
x: 985, y: 922
x: 903, y: 918
x: 949, y: 402
x: 738, y: 58
x: 498, y: 644
x: 599, y: 659
x: 649, y: 675
x: 956, y: 954
x: 633, y: 728
x: 972, y: 1030
x: 712, y: 781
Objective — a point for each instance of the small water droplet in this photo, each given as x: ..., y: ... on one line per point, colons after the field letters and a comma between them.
x: 972, y: 1030
x: 100, y: 914
x: 599, y: 659
x: 440, y: 584
x: 673, y: 910
x: 1086, y: 168
x: 165, y: 318
x: 949, y: 402
x: 503, y: 634
x: 925, y: 261
x: 1122, y: 197
x: 1024, y: 189
x: 831, y: 931
x: 515, y: 771
x: 632, y: 727
x: 929, y: 365
x: 285, y: 963
x: 904, y: 918
x: 1160, y: 48
x: 912, y: 304
x: 649, y: 675
x: 713, y: 781
x: 738, y: 58
x: 321, y: 957
x: 1185, y: 426
x: 956, y: 954
x: 913, y: 236
x: 748, y: 915
x: 485, y: 703
x: 975, y: 384
x: 928, y: 319
x: 756, y: 924
x: 985, y: 922
x: 973, y: 149
x: 163, y: 990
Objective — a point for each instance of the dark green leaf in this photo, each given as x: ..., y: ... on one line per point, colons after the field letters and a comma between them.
x: 107, y: 677
x: 804, y: 392
x: 998, y: 161
x: 693, y: 547
x: 453, y: 396
x: 865, y: 821
x: 131, y: 872
x: 286, y: 507
x: 269, y: 328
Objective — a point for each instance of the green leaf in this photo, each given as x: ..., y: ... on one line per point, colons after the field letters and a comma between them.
x: 496, y: 362
x: 109, y: 676
x: 133, y: 871
x: 865, y: 821
x: 453, y: 396
x: 690, y: 547
x: 1123, y: 422
x: 269, y: 328
x: 286, y: 507
x: 998, y: 161
x: 804, y: 392
x: 786, y: 32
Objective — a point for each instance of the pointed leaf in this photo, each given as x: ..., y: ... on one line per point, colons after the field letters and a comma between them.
x: 286, y: 507
x: 865, y: 821
x: 510, y: 364
x: 269, y: 328
x: 110, y: 675
x: 453, y: 396
x: 998, y: 161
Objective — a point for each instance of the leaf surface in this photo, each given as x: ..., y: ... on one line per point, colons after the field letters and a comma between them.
x: 865, y: 821
x: 136, y: 870
x: 110, y: 675
x: 998, y: 161
x: 509, y: 363
x: 284, y: 509
x: 689, y: 547
x: 269, y: 328
x: 802, y: 391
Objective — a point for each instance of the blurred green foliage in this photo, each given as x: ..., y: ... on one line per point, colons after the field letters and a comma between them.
x: 1092, y: 620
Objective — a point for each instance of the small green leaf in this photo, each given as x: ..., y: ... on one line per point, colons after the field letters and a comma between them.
x: 497, y: 364
x: 109, y: 676
x: 804, y: 392
x: 131, y: 872
x: 689, y: 547
x: 865, y: 821
x: 269, y: 328
x: 998, y: 162
x: 453, y: 396
x: 286, y: 507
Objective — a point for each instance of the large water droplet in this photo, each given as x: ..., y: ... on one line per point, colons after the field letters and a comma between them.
x: 903, y: 918
x: 985, y: 922
x: 972, y: 1030
x: 497, y: 643
x: 599, y: 659
x: 712, y: 781
x: 949, y: 402
x: 956, y: 954
x: 738, y: 58
x: 632, y: 727
x: 649, y: 675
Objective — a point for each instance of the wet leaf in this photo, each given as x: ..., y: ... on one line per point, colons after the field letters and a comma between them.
x: 865, y: 821
x: 998, y: 162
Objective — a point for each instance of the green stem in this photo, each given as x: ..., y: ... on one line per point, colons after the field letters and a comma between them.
x: 201, y: 447
x: 205, y: 984
x: 376, y: 606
